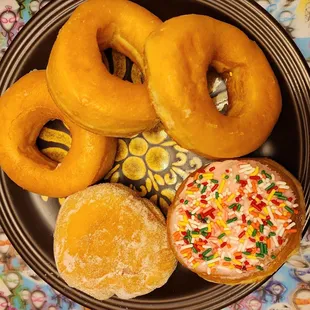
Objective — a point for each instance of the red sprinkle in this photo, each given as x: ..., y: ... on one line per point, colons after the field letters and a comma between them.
x: 186, y: 241
x: 261, y: 238
x: 227, y: 171
x: 251, y: 239
x: 223, y: 244
x: 268, y: 217
x: 188, y: 214
x: 190, y: 184
x: 238, y: 257
x: 208, y: 235
x: 246, y: 263
x: 182, y: 200
x: 203, y: 196
x: 256, y: 177
x: 201, y: 170
x: 211, y: 169
x: 238, y: 267
x: 260, y: 197
x: 243, y: 183
x: 243, y: 218
x: 214, y: 187
x: 183, y: 233
x: 290, y: 199
x: 238, y: 198
x: 241, y: 234
x: 205, y: 183
x: 204, y: 201
x: 277, y: 203
x: 280, y: 240
x: 258, y: 208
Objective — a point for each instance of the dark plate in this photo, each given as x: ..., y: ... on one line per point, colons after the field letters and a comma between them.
x: 29, y: 221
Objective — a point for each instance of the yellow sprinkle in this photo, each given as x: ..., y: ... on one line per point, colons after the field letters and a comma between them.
x: 185, y: 219
x: 221, y: 187
x: 255, y: 172
x: 218, y: 222
x: 220, y: 214
x: 219, y: 200
x: 189, y: 192
x: 196, y: 265
x: 182, y: 223
x: 247, y: 234
x: 285, y: 213
x: 209, y: 227
x: 257, y: 200
x: 236, y: 262
x: 271, y: 195
x: 223, y: 176
x: 208, y: 176
x: 223, y: 223
x: 197, y: 203
x: 265, y: 210
x: 262, y: 216
x: 251, y: 209
x: 231, y: 197
x: 216, y: 255
x: 227, y: 232
x: 218, y: 204
x: 196, y: 236
x: 211, y: 265
x: 184, y: 255
x: 282, y: 205
x: 251, y: 257
x: 241, y: 240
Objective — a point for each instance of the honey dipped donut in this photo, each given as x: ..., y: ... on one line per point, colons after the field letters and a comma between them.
x: 237, y: 221
x: 80, y: 83
x: 25, y: 108
x: 185, y: 47
x: 109, y: 241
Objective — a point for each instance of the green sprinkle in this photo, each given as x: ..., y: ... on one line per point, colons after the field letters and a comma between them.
x: 261, y: 228
x: 232, y: 205
x: 260, y: 268
x: 186, y: 202
x: 217, y: 195
x: 265, y: 248
x: 200, y: 176
x: 260, y: 182
x: 231, y: 220
x: 194, y: 250
x: 239, y: 207
x: 199, y: 217
x: 272, y: 233
x: 195, y: 233
x: 278, y: 193
x: 249, y: 222
x: 210, y: 257
x: 226, y: 177
x: 288, y: 209
x: 228, y: 259
x: 269, y: 223
x: 270, y: 186
x: 261, y: 247
x: 204, y: 230
x: 246, y: 253
x: 203, y: 189
x: 214, y: 181
x: 282, y: 197
x: 260, y: 255
x: 273, y: 257
x: 206, y: 252
x: 238, y: 178
x: 199, y: 185
x: 257, y: 244
x: 221, y: 236
x: 254, y: 232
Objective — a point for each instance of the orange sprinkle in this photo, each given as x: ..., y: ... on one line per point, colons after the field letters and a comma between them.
x: 226, y: 264
x: 296, y: 211
x: 268, y: 243
x: 229, y: 246
x: 196, y: 176
x: 200, y: 243
x: 177, y: 236
x: 274, y: 228
x: 194, y: 189
x: 186, y: 251
x: 237, y: 253
x: 250, y: 268
x: 290, y: 231
x: 254, y: 186
x: 285, y: 224
x: 280, y: 217
x: 255, y: 225
x: 255, y: 214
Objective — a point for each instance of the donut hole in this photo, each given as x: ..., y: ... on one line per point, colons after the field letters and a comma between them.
x: 122, y: 66
x: 218, y: 90
x: 54, y: 140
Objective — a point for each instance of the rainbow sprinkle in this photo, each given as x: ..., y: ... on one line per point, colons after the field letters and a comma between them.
x: 233, y: 219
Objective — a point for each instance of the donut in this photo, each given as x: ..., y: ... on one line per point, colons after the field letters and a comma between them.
x: 25, y: 108
x: 185, y: 47
x: 109, y: 241
x: 80, y: 83
x: 237, y: 221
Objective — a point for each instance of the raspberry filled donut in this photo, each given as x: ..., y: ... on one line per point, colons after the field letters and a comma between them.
x: 80, y: 83
x: 185, y: 47
x: 237, y: 221
x: 25, y: 108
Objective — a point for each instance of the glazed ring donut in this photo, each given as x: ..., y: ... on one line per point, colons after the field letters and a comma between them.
x: 185, y: 47
x: 25, y: 108
x: 80, y: 83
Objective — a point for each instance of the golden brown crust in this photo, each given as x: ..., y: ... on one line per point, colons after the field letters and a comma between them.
x: 184, y: 47
x: 80, y: 83
x: 290, y: 248
x: 110, y: 241
x: 25, y: 108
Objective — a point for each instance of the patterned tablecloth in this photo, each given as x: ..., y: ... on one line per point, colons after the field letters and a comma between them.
x: 289, y: 288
